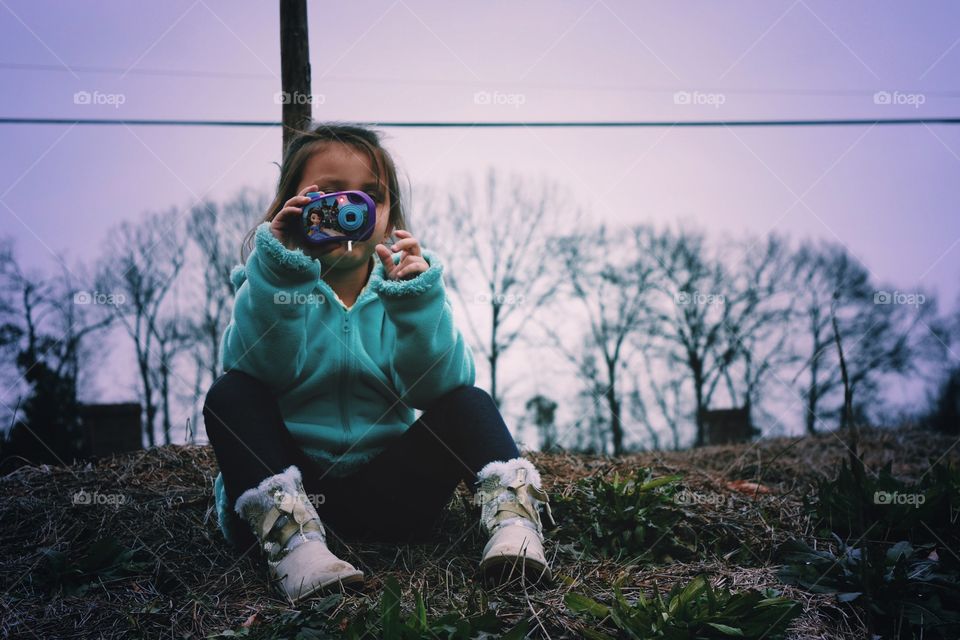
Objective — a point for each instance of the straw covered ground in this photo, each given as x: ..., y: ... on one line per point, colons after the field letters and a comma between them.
x: 145, y: 558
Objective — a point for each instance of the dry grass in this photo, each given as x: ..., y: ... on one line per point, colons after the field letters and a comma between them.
x: 195, y: 585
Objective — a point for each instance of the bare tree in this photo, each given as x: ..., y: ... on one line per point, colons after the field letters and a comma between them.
x: 638, y: 411
x: 758, y: 329
x: 217, y: 231
x: 887, y: 340
x: 719, y: 319
x: 692, y: 312
x: 824, y: 276
x: 10, y: 329
x: 882, y: 332
x: 611, y: 283
x: 665, y: 390
x: 46, y: 324
x: 171, y: 338
x: 499, y: 255
x: 139, y: 268
x: 590, y: 428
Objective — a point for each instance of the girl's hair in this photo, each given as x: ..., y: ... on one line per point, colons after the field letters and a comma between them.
x: 306, y: 143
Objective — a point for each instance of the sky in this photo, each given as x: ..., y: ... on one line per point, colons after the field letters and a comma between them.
x: 886, y: 192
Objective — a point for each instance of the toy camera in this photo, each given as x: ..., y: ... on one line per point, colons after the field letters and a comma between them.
x: 342, y: 216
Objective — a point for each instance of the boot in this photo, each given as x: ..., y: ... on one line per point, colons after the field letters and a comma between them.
x: 509, y: 496
x: 293, y: 538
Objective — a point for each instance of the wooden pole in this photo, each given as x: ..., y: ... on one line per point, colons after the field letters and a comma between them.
x: 294, y: 68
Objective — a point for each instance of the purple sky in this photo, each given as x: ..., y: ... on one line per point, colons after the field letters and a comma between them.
x: 888, y: 193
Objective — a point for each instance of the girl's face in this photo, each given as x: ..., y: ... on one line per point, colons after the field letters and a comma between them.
x: 340, y: 167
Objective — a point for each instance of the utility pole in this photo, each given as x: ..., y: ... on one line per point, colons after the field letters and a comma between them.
x: 294, y: 68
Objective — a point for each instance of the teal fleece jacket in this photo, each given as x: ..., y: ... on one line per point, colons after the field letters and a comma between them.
x: 347, y: 380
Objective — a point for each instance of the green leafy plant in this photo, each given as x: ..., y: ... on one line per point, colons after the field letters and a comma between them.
x: 635, y: 516
x: 387, y: 622
x: 691, y: 611
x: 451, y: 626
x: 75, y: 571
x: 907, y: 591
x: 885, y: 508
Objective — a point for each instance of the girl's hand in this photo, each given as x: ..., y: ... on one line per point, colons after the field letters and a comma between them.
x: 411, y: 262
x: 285, y: 224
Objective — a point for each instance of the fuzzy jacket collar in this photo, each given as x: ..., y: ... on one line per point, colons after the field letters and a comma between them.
x: 297, y: 261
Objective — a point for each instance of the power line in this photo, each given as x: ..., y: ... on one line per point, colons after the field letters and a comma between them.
x: 506, y: 124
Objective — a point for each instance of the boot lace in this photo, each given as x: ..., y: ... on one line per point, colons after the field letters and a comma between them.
x: 514, y: 502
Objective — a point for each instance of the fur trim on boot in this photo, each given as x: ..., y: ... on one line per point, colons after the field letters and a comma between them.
x: 292, y: 536
x: 510, y: 496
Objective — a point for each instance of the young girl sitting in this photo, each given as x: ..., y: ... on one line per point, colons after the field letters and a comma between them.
x: 329, y: 352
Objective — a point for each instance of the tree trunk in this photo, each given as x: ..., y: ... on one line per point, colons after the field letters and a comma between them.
x: 813, y: 393
x: 494, y: 352
x: 215, y: 345
x: 698, y: 389
x: 165, y: 391
x: 151, y: 410
x: 846, y: 419
x: 616, y: 425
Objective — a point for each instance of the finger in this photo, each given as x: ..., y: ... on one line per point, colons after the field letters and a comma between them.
x: 412, y: 265
x: 410, y: 271
x: 386, y: 258
x: 402, y: 233
x: 410, y: 259
x: 299, y: 200
x: 287, y: 215
x: 411, y: 245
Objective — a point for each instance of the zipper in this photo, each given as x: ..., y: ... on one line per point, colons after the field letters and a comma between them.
x: 344, y: 380
x: 351, y: 359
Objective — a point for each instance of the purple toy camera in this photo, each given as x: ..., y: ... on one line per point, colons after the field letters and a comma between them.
x: 342, y: 216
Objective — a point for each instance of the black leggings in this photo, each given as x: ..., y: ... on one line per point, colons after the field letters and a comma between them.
x: 398, y: 495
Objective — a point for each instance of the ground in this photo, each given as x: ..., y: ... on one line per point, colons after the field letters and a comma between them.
x: 144, y: 557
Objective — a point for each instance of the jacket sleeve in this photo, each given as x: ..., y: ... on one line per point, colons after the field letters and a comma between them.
x: 430, y: 356
x: 266, y: 337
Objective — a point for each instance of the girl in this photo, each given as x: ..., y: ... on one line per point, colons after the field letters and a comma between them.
x: 327, y: 355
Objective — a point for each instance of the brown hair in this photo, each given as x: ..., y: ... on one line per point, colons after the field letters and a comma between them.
x: 306, y: 143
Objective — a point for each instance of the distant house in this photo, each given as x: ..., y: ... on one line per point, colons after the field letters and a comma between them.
x: 728, y: 426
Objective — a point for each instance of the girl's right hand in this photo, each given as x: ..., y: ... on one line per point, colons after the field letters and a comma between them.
x: 285, y: 225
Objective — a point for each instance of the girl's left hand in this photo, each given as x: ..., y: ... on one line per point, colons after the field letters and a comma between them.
x: 411, y: 262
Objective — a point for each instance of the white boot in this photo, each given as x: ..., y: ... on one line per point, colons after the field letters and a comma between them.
x: 293, y: 538
x: 509, y: 496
